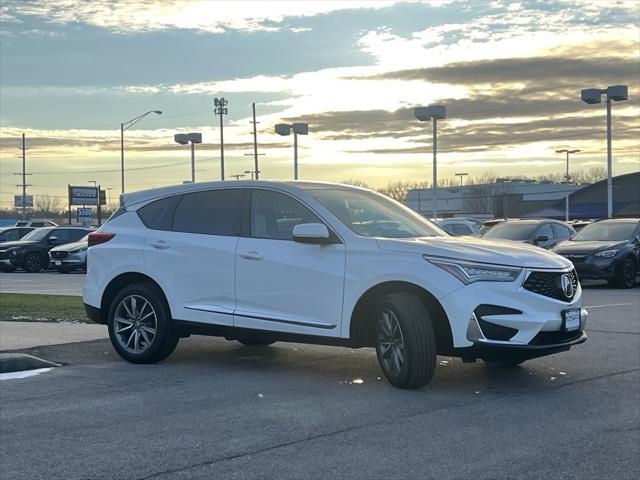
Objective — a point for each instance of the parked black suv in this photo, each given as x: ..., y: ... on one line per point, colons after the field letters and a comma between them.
x: 606, y: 249
x: 544, y: 233
x: 31, y: 253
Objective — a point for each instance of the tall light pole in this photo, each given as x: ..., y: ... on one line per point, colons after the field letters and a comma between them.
x: 193, y: 138
x: 594, y: 95
x: 126, y: 126
x: 220, y: 108
x: 567, y: 178
x: 285, y: 129
x: 424, y: 114
x: 461, y: 175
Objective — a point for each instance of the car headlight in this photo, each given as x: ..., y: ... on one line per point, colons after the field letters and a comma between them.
x: 607, y: 253
x: 469, y: 272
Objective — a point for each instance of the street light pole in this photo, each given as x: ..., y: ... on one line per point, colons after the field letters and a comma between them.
x: 433, y: 112
x: 461, y: 175
x: 193, y: 138
x: 594, y: 95
x: 126, y: 126
x: 220, y: 108
x: 298, y: 129
x: 567, y: 178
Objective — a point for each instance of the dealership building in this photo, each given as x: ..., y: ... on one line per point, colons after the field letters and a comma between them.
x: 513, y: 199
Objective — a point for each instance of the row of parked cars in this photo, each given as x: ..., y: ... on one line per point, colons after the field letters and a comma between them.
x: 600, y: 249
x: 45, y: 245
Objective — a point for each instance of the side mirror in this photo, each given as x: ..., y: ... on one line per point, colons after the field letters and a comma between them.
x: 540, y: 239
x: 52, y: 239
x: 313, y: 233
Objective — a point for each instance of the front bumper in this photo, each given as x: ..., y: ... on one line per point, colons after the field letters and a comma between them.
x: 508, y: 306
x: 595, y: 268
x: 72, y: 260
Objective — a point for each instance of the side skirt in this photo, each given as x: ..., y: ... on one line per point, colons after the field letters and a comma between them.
x: 185, y: 328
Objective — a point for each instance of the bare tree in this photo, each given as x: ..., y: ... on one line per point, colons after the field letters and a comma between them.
x: 356, y: 183
x: 46, y: 205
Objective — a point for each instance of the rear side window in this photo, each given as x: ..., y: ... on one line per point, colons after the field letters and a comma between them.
x: 461, y: 229
x: 66, y: 235
x: 9, y: 235
x: 156, y: 215
x: 213, y: 212
x: 561, y: 231
x: 545, y: 231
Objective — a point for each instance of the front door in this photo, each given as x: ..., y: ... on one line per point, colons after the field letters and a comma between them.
x: 283, y: 285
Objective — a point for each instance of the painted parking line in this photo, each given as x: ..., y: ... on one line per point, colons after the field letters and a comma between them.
x: 609, y: 305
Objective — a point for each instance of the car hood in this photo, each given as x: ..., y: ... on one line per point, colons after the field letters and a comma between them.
x: 16, y: 243
x: 67, y: 247
x: 478, y: 250
x: 586, y: 247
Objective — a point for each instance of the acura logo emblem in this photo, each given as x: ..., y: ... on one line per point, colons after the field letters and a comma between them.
x: 567, y: 285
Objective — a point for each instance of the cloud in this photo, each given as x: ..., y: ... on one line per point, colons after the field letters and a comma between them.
x: 151, y: 15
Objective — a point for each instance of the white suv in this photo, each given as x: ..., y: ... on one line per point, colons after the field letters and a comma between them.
x: 322, y: 263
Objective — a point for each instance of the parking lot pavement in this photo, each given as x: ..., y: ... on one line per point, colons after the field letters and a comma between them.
x: 18, y: 335
x: 216, y: 409
x: 47, y: 283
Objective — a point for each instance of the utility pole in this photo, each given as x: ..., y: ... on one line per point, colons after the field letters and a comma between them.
x: 238, y: 176
x: 24, y: 174
x: 255, y: 141
x: 567, y: 181
x: 220, y: 108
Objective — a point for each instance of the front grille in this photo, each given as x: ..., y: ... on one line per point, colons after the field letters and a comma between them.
x: 58, y: 255
x: 549, y: 284
x: 3, y: 255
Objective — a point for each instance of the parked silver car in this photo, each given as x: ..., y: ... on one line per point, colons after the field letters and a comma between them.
x: 70, y: 256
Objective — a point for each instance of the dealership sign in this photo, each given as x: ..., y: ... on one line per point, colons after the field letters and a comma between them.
x: 20, y: 201
x: 83, y: 195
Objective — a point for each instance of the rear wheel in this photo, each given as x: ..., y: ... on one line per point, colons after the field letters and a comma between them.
x: 405, y: 340
x: 628, y: 274
x: 33, y: 262
x: 140, y: 326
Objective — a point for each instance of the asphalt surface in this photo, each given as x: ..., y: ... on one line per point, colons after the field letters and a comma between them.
x: 218, y: 410
x: 45, y: 282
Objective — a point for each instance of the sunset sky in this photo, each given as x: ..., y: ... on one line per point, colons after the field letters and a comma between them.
x: 510, y: 74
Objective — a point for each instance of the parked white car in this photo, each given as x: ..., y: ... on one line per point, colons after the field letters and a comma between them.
x: 322, y: 263
x: 460, y: 227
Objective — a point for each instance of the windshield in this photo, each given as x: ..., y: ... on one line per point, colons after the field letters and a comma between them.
x: 512, y: 231
x: 372, y: 215
x: 38, y: 234
x: 609, y: 231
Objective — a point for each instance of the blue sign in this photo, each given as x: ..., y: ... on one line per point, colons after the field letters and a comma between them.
x: 84, y: 215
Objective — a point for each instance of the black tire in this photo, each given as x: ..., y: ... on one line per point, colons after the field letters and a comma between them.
x: 255, y: 340
x: 418, y: 339
x: 165, y: 340
x: 627, y: 276
x: 33, y: 262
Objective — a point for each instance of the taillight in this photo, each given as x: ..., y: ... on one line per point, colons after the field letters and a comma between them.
x: 96, y: 238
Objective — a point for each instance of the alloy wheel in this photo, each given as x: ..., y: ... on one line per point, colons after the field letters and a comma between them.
x: 135, y: 324
x: 391, y: 348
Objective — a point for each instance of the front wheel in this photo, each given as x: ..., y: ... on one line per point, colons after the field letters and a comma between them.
x: 33, y: 262
x: 627, y: 276
x: 405, y: 340
x: 140, y: 326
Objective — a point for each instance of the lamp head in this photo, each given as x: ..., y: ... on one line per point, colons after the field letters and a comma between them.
x: 283, y: 129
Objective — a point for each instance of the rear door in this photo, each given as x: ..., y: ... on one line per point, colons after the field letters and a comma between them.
x: 283, y: 285
x: 190, y: 248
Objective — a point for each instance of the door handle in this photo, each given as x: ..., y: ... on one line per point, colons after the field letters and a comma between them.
x: 160, y: 244
x: 252, y: 255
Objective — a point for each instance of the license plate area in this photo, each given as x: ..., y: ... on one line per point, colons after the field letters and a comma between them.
x: 571, y: 320
x: 58, y: 263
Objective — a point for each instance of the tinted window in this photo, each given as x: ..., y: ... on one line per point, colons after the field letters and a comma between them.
x: 273, y: 215
x: 9, y: 235
x: 38, y: 224
x: 447, y: 228
x: 67, y: 235
x: 214, y: 212
x: 561, y: 232
x: 512, y: 231
x: 461, y: 229
x: 545, y: 231
x: 38, y: 234
x: 156, y: 215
